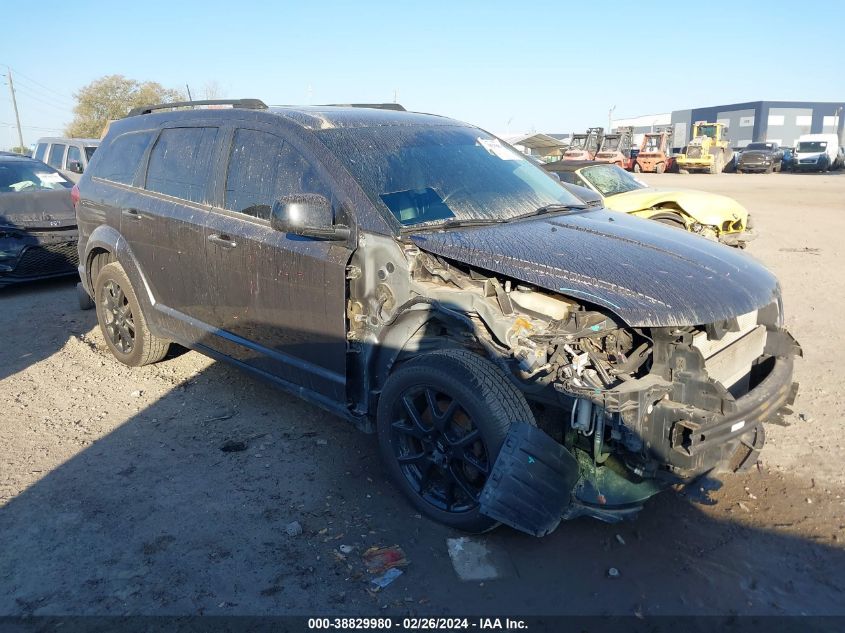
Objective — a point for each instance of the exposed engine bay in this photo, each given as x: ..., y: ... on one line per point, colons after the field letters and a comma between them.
x: 639, y: 409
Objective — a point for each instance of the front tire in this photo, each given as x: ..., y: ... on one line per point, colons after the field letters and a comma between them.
x: 121, y: 321
x: 442, y: 418
x: 637, y: 168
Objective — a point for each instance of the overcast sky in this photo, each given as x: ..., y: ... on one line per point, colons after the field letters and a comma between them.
x: 509, y: 67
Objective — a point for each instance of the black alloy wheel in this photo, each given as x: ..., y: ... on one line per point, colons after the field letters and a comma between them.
x: 439, y: 449
x: 442, y: 419
x: 118, y: 320
x: 122, y: 321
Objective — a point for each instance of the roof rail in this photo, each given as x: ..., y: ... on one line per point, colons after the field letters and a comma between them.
x: 249, y: 104
x: 378, y: 106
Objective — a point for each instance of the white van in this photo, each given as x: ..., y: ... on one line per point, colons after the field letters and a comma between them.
x: 69, y: 155
x: 816, y: 152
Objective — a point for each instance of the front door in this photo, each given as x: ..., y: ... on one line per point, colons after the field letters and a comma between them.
x: 279, y: 298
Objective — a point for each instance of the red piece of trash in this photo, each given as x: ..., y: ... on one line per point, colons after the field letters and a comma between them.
x: 379, y: 559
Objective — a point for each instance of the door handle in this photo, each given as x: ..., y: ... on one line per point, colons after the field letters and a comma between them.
x: 222, y: 240
x: 132, y: 214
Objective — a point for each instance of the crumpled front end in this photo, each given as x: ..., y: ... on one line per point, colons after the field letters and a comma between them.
x: 633, y: 410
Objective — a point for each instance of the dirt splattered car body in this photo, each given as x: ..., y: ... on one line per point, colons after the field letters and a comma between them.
x: 422, y: 279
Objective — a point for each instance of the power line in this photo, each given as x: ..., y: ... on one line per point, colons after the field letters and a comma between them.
x: 30, y: 95
x: 42, y: 94
x: 32, y: 127
x: 38, y: 83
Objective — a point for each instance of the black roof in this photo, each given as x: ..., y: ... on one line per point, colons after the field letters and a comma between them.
x: 320, y: 117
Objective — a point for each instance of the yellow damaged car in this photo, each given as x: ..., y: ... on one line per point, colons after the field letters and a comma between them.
x: 707, y: 214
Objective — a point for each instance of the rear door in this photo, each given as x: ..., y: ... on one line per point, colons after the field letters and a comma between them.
x: 164, y: 225
x: 279, y: 298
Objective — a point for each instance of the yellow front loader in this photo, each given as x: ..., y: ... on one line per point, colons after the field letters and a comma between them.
x: 708, y: 150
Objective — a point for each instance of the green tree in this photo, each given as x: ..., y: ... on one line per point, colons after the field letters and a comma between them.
x: 21, y: 150
x: 111, y: 97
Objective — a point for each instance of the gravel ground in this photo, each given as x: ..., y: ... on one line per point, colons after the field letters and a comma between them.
x: 115, y: 497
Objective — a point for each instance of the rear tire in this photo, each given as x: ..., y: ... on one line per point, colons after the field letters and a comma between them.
x: 661, y: 167
x: 637, y: 168
x: 121, y: 321
x: 442, y: 418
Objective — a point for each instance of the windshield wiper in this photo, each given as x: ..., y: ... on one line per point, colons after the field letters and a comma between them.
x: 550, y: 208
x: 454, y: 223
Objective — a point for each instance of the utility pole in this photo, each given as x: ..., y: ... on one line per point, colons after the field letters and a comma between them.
x: 188, y: 88
x: 15, y: 106
x: 610, y: 119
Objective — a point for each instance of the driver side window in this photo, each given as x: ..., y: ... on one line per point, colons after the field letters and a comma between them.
x: 263, y: 168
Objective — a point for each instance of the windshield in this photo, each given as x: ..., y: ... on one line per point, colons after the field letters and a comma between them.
x: 578, y: 142
x: 760, y: 146
x: 811, y: 146
x: 610, y: 144
x: 610, y: 179
x: 20, y: 176
x: 89, y: 151
x: 707, y: 130
x: 429, y: 175
x: 652, y: 143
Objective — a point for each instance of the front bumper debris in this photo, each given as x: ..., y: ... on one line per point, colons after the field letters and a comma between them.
x: 531, y: 485
x: 737, y: 239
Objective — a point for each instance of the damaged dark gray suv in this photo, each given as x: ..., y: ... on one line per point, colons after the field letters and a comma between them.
x: 523, y: 359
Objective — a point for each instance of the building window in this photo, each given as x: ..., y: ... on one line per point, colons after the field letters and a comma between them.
x: 776, y: 119
x: 746, y: 121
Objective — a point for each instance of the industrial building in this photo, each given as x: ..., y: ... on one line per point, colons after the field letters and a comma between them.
x: 780, y: 121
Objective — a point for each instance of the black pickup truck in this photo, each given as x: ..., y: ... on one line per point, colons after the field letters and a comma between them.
x: 760, y: 157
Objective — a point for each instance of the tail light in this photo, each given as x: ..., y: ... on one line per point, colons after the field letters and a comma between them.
x: 74, y: 195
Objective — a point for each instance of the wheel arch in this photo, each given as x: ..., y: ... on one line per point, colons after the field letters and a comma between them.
x: 422, y: 327
x: 106, y: 245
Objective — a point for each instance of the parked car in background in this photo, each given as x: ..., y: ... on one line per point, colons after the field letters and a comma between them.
x: 765, y: 157
x: 707, y: 214
x: 420, y: 278
x: 38, y: 236
x: 816, y: 152
x: 68, y: 155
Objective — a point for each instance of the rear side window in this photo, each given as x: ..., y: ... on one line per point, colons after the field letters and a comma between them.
x: 123, y: 157
x: 40, y: 151
x: 180, y: 163
x: 262, y: 169
x: 89, y: 151
x: 57, y: 153
x: 73, y: 154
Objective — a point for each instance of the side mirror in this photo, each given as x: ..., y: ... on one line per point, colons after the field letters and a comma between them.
x: 75, y: 166
x: 307, y: 214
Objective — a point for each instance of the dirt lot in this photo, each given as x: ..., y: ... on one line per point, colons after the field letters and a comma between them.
x: 115, y: 497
